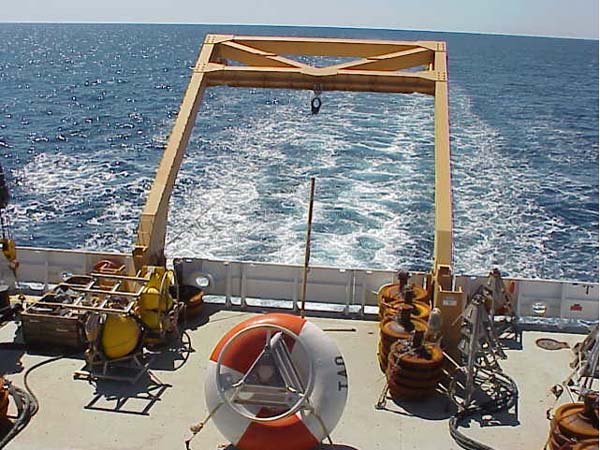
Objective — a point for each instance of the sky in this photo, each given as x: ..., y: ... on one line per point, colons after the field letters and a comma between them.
x: 567, y: 18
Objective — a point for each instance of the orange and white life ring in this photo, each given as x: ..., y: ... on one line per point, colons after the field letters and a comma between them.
x: 106, y: 265
x: 272, y: 377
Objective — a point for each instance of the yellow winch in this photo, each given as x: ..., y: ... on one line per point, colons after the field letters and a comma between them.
x: 155, y: 302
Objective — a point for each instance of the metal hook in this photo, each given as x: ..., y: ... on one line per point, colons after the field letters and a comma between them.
x: 316, y: 102
x: 315, y: 105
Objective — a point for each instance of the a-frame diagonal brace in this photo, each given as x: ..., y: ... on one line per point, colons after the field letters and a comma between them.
x: 252, y: 56
x: 391, y: 61
x: 329, y: 46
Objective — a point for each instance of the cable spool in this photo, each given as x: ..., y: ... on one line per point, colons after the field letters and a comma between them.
x: 155, y: 303
x: 274, y: 377
x: 390, y: 297
x: 155, y: 295
x: 419, y: 311
x: 588, y: 444
x: 575, y: 423
x: 394, y: 291
x: 399, y: 328
x: 414, y: 368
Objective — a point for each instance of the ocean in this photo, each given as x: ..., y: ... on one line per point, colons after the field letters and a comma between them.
x: 85, y: 111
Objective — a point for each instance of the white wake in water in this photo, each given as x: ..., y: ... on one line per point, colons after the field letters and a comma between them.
x: 498, y: 218
x: 243, y: 188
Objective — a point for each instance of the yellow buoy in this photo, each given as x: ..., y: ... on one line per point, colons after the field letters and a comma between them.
x: 120, y: 336
x: 150, y: 318
x: 150, y: 298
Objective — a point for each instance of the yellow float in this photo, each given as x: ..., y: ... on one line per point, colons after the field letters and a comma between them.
x: 120, y: 336
x: 155, y: 302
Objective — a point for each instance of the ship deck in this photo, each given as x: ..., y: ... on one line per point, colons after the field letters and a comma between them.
x: 156, y: 413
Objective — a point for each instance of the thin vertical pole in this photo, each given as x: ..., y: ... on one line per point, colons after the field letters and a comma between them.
x: 307, y: 248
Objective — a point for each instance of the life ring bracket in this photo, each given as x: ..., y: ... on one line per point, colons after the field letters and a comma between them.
x: 291, y: 394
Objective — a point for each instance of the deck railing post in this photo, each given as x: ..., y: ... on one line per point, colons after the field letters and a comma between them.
x: 295, y: 288
x: 563, y: 296
x: 347, y: 291
x: 243, y: 281
x: 46, y: 266
x: 227, y: 284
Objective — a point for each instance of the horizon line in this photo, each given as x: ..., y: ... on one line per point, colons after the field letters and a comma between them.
x: 91, y: 22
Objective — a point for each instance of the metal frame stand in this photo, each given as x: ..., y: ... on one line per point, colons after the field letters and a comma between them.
x: 98, y: 367
x: 506, y: 326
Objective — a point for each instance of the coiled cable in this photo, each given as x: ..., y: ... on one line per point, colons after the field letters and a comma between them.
x: 26, y: 408
x: 507, y: 396
x: 26, y: 402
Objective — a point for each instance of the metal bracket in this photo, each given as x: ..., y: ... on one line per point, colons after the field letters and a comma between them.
x: 273, y: 380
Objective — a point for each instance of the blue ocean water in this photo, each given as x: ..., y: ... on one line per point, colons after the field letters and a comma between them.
x: 85, y: 111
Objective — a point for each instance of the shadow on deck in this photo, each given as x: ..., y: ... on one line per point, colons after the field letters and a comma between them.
x: 138, y: 398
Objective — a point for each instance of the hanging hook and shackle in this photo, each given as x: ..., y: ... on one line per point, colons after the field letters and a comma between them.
x: 316, y: 102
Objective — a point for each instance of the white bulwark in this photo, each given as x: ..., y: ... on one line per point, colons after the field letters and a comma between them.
x: 344, y: 291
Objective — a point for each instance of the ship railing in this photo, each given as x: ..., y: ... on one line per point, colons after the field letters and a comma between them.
x: 343, y: 291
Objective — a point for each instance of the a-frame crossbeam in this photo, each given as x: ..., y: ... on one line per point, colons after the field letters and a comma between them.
x: 379, y: 70
x: 320, y: 78
x: 391, y: 61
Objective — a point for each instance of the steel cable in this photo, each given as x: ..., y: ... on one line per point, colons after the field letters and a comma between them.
x: 508, y: 391
x: 26, y: 402
x: 26, y: 409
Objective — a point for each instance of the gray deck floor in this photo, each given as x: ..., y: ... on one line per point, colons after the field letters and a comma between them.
x: 79, y: 415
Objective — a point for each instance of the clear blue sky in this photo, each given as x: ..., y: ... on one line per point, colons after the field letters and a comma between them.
x: 572, y: 18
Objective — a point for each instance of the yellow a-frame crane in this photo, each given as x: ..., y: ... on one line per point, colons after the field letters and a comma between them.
x: 380, y: 66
